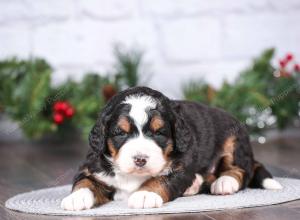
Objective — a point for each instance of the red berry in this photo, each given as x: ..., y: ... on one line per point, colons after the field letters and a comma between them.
x: 64, y: 106
x: 289, y: 57
x: 297, y: 67
x: 282, y: 63
x: 69, y: 112
x: 57, y: 106
x: 58, y: 118
x: 61, y: 106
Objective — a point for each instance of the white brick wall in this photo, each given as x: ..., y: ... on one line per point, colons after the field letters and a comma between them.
x: 183, y: 39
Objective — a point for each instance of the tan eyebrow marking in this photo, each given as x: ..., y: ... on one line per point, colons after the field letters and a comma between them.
x: 156, y: 123
x: 124, y: 124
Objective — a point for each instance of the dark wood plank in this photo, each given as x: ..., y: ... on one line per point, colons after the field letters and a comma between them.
x: 260, y: 213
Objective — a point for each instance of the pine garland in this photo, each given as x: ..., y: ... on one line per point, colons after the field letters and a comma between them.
x: 263, y: 95
x: 27, y: 97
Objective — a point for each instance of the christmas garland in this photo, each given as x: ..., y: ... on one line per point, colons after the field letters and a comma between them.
x: 265, y: 95
x: 40, y: 109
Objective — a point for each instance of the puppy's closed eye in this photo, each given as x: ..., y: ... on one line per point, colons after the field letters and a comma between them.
x: 160, y: 132
x: 119, y: 132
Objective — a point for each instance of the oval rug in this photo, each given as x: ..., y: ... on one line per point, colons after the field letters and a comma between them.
x: 47, y: 201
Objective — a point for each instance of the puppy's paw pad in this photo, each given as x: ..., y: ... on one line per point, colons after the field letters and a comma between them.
x: 224, y: 185
x: 144, y: 200
x: 79, y: 200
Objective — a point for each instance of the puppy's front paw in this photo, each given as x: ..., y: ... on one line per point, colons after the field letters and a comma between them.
x: 144, y: 199
x: 224, y: 185
x: 79, y: 200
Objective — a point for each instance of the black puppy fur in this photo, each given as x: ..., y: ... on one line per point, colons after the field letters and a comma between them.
x: 205, y: 140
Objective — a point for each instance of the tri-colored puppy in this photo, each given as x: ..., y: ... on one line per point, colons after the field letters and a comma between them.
x: 149, y: 150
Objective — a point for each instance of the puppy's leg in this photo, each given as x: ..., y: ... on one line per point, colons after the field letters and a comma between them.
x: 233, y: 174
x: 158, y: 190
x: 86, y: 193
x: 195, y: 187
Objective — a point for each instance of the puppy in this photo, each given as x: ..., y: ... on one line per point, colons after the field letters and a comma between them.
x: 149, y: 150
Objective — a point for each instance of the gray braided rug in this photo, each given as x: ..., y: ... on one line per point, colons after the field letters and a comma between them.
x: 47, y: 201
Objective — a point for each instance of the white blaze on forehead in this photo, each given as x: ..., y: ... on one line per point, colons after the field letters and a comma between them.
x: 139, y: 106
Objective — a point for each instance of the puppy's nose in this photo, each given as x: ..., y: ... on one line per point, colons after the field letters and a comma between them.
x: 140, y: 160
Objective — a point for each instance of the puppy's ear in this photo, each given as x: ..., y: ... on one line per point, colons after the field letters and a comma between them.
x: 181, y: 130
x: 97, y: 137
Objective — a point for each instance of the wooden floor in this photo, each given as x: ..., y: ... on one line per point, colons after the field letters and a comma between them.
x: 28, y: 166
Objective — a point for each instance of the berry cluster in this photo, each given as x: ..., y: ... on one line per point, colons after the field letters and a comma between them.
x: 288, y: 65
x: 62, y: 110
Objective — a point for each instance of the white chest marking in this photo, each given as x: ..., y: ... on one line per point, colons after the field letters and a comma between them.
x: 124, y: 184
